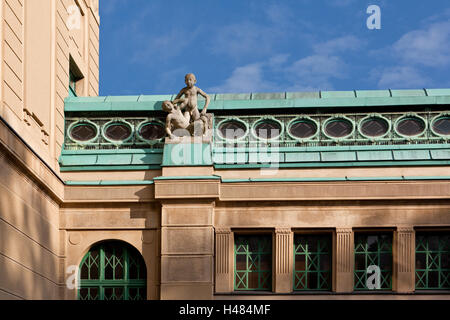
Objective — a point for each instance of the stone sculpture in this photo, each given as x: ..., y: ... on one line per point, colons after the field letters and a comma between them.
x: 191, y: 122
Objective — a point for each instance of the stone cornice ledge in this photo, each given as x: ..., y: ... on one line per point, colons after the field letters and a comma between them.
x: 346, y: 190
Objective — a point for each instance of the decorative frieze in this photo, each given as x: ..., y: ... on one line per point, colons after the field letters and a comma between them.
x: 286, y: 130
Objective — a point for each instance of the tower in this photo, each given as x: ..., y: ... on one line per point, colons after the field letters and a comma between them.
x: 46, y: 47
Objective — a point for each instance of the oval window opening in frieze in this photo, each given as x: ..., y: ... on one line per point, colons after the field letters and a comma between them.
x: 118, y: 131
x: 411, y: 126
x: 267, y: 129
x: 374, y: 127
x: 152, y: 131
x: 83, y: 132
x: 303, y: 129
x: 232, y: 129
x: 339, y: 128
x: 442, y: 125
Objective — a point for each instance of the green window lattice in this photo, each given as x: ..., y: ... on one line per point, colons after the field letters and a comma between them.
x: 433, y: 261
x: 253, y: 262
x: 373, y: 249
x: 312, y: 262
x: 113, y: 270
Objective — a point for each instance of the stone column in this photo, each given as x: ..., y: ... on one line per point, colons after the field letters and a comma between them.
x: 343, y: 260
x: 224, y: 260
x: 283, y: 260
x: 404, y: 263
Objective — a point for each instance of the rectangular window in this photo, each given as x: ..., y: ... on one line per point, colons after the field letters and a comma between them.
x: 432, y: 261
x: 373, y: 261
x: 312, y: 262
x: 253, y: 262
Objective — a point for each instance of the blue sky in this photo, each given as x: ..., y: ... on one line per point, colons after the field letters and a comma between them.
x: 233, y: 46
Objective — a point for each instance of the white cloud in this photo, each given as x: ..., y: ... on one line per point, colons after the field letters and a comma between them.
x: 314, y: 72
x: 317, y: 70
x: 403, y: 77
x: 320, y: 65
x: 278, y: 60
x: 163, y: 46
x: 429, y: 47
x: 278, y: 14
x: 246, y: 39
x: 441, y: 16
x: 247, y: 78
x: 416, y: 53
x: 346, y: 43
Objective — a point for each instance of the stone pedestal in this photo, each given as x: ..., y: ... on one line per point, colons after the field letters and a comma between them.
x: 187, y: 250
x: 343, y: 243
x: 403, y: 256
x: 187, y: 190
x: 283, y: 260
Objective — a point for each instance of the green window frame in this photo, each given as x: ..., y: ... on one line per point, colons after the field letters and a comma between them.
x: 312, y: 262
x: 113, y: 270
x: 373, y: 249
x: 253, y: 262
x: 432, y: 261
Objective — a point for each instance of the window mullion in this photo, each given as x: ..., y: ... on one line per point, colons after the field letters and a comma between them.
x: 102, y: 272
x: 126, y: 273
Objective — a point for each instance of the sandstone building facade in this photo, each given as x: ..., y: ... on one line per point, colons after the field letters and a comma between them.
x: 38, y: 54
x: 326, y: 195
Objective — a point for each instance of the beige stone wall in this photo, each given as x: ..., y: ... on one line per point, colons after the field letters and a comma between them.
x: 128, y: 213
x: 30, y: 253
x: 37, y: 48
x: 46, y: 227
x: 185, y: 229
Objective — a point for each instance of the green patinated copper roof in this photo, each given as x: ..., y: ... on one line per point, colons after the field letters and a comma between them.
x: 318, y: 151
x: 246, y: 101
x: 350, y: 156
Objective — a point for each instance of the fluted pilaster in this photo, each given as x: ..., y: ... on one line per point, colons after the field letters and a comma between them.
x: 404, y: 264
x: 224, y: 260
x: 283, y: 259
x: 344, y: 260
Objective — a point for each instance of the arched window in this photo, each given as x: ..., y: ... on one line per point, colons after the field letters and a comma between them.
x: 113, y: 270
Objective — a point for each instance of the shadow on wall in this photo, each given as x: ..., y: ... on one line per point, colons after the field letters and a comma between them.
x: 150, y: 210
x: 29, y: 233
